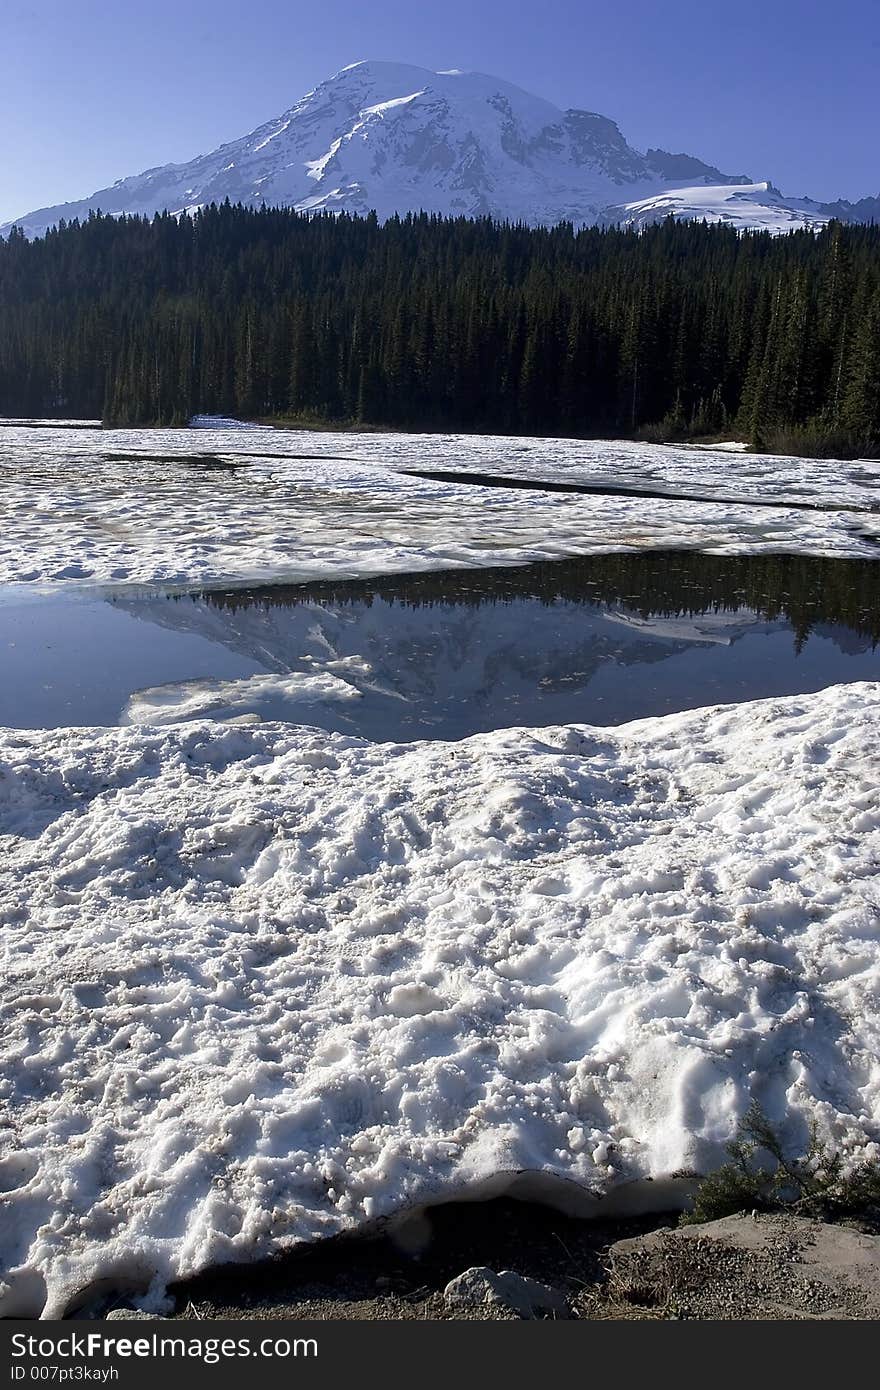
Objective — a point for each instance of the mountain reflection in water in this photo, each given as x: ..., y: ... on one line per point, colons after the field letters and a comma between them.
x: 598, y: 640
x: 800, y: 589
x: 443, y: 655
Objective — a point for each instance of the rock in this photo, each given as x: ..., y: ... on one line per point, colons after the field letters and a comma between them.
x: 525, y: 1297
x: 131, y: 1315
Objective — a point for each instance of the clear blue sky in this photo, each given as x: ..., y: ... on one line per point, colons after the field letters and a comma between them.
x: 92, y: 90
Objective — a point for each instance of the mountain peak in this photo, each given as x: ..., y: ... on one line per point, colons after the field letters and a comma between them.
x: 379, y: 70
x: 396, y: 138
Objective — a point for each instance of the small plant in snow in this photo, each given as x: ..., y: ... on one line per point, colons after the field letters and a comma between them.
x: 814, y: 1184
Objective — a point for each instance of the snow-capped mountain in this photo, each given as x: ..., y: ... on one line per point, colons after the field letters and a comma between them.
x: 393, y: 138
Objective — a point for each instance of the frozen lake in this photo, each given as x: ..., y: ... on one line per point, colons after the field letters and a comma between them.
x: 226, y: 506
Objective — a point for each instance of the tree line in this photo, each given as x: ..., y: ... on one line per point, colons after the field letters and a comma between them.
x: 676, y: 331
x: 840, y: 598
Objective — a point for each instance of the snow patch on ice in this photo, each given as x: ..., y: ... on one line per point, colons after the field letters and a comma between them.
x: 223, y: 422
x: 129, y: 506
x: 235, y: 700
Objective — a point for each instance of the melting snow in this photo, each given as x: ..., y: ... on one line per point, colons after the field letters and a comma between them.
x: 266, y: 984
x: 134, y: 506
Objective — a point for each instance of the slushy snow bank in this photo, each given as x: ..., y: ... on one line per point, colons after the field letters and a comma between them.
x: 264, y: 983
x: 220, y: 505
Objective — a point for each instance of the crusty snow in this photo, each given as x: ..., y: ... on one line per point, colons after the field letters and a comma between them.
x: 266, y: 983
x: 393, y: 138
x: 147, y: 506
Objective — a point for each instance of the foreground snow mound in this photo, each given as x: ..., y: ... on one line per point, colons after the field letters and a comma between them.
x: 266, y: 984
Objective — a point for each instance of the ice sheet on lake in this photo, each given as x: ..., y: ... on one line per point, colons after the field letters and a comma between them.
x: 291, y: 696
x: 264, y: 984
x: 223, y: 505
x: 704, y: 469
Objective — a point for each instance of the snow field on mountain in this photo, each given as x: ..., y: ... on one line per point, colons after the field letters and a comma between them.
x: 756, y: 206
x: 265, y: 984
x: 152, y: 506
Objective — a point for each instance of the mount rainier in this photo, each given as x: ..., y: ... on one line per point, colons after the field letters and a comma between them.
x: 391, y: 138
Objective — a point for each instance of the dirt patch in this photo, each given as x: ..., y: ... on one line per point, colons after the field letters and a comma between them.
x: 402, y: 1275
x: 761, y: 1267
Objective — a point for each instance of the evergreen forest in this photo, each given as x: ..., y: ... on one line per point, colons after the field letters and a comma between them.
x: 677, y: 331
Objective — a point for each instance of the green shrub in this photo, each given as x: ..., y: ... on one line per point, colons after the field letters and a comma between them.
x: 760, y: 1176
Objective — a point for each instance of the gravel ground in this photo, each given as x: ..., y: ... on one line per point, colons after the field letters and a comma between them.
x: 403, y: 1276
x: 777, y: 1267
x: 747, y: 1267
